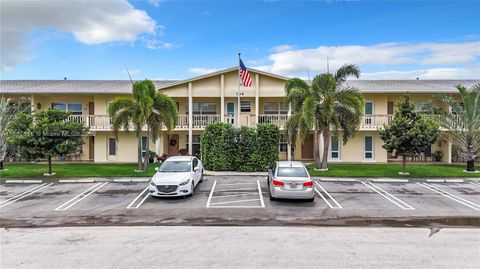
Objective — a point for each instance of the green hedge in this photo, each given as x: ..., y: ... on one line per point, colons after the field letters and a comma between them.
x: 225, y: 148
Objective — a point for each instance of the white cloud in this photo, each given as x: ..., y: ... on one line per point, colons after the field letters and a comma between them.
x: 282, y: 48
x: 159, y: 44
x: 155, y: 3
x: 386, y: 54
x: 90, y: 22
x: 470, y: 72
x: 201, y: 70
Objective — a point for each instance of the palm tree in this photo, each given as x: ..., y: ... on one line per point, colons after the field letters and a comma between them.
x: 463, y: 122
x: 148, y: 108
x: 323, y: 105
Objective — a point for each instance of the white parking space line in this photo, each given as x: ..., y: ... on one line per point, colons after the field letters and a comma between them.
x: 237, y: 201
x: 329, y: 196
x: 131, y: 205
x: 450, y: 196
x: 242, y: 189
x: 475, y: 183
x: 260, y: 194
x: 240, y: 183
x: 388, y: 196
x: 211, y: 194
x: 24, y: 194
x: 80, y: 197
x: 215, y: 187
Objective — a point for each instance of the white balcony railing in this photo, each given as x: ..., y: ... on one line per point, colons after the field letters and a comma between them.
x: 103, y: 123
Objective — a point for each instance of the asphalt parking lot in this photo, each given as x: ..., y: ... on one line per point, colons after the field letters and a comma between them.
x: 241, y: 200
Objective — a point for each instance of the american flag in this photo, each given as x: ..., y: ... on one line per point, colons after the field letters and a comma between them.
x: 246, y: 79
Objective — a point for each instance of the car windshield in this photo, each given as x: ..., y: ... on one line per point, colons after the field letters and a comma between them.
x: 292, y: 172
x: 175, y: 166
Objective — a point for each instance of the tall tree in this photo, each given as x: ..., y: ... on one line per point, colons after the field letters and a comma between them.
x: 8, y: 109
x: 45, y: 134
x: 463, y: 122
x: 410, y: 133
x: 324, y: 105
x: 148, y: 109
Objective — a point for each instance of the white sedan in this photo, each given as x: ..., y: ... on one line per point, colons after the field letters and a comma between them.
x: 177, y: 176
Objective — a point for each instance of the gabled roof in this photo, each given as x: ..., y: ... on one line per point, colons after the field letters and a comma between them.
x: 71, y: 86
x: 219, y: 72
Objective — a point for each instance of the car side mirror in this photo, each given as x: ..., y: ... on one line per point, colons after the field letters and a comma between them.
x: 196, y: 169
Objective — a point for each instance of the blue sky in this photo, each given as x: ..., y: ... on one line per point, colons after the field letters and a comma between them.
x: 181, y: 39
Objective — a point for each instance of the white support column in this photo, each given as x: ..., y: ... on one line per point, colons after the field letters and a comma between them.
x: 320, y: 145
x: 289, y: 147
x: 33, y: 106
x: 449, y: 150
x: 257, y: 94
x: 190, y: 118
x: 159, y: 145
x: 222, y: 97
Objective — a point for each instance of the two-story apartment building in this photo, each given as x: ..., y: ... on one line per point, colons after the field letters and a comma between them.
x: 212, y: 98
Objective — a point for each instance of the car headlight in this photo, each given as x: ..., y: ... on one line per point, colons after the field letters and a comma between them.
x: 152, y: 183
x: 185, y: 182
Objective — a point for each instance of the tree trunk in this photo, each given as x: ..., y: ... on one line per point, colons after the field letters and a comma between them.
x: 471, y: 166
x: 49, y: 165
x: 146, y: 157
x: 404, y: 162
x: 326, y: 146
x: 1, y: 165
x: 316, y: 150
x: 139, y: 149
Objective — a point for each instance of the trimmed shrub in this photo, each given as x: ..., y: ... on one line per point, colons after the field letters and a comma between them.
x: 225, y: 148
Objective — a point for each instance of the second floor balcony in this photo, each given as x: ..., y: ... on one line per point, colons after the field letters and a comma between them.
x: 103, y: 122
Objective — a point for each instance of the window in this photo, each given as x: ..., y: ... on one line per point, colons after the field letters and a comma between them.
x: 368, y: 154
x: 144, y: 144
x: 335, y: 148
x: 283, y: 143
x: 292, y: 172
x: 195, y: 145
x: 368, y: 108
x: 422, y: 106
x: 112, y: 147
x: 174, y: 166
x: 73, y: 108
x: 203, y: 108
x: 275, y: 108
x: 245, y: 106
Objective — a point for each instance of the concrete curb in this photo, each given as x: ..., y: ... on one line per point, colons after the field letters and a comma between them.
x: 390, y: 180
x: 445, y: 180
x: 76, y: 181
x: 336, y: 179
x: 131, y: 180
x: 27, y: 181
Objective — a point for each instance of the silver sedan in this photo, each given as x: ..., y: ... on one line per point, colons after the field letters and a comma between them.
x: 290, y: 180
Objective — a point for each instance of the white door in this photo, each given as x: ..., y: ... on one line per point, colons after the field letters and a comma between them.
x: 230, y: 108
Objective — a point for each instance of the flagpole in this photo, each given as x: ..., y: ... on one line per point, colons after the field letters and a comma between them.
x: 238, y: 93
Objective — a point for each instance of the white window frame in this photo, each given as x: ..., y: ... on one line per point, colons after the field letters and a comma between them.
x: 112, y: 157
x: 365, y: 151
x: 368, y: 118
x: 67, y: 106
x: 331, y: 151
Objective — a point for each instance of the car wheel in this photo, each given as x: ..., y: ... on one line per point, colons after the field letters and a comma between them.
x: 201, y: 178
x: 270, y: 195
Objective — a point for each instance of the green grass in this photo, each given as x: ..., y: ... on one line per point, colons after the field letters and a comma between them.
x: 62, y: 170
x: 391, y: 170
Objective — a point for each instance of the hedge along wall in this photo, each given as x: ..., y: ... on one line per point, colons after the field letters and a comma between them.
x: 225, y: 148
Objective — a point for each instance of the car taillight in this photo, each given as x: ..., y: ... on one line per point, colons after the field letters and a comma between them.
x: 277, y: 183
x: 308, y: 184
